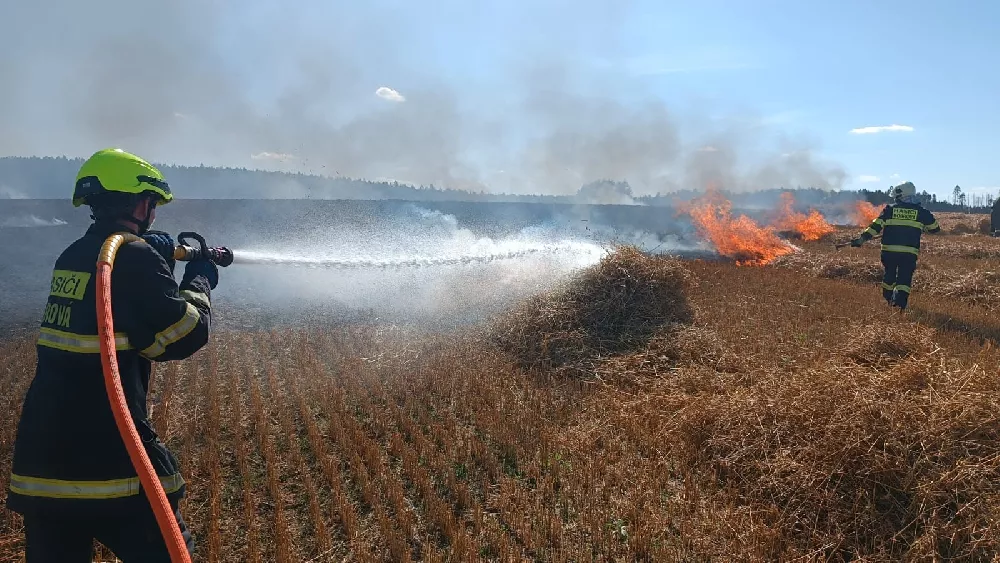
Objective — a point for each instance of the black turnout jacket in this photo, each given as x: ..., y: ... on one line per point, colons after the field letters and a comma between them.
x: 901, y: 225
x: 68, y: 453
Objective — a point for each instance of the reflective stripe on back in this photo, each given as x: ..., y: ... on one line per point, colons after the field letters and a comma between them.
x: 900, y: 248
x: 904, y: 223
x: 78, y: 343
x: 114, y: 488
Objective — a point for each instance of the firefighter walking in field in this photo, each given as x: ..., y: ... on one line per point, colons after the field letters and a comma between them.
x: 901, y: 223
x: 72, y: 478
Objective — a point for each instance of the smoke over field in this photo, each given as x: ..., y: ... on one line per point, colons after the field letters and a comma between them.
x: 197, y: 92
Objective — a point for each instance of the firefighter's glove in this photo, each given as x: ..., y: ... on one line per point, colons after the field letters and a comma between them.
x: 203, y: 267
x: 163, y: 244
x: 857, y: 242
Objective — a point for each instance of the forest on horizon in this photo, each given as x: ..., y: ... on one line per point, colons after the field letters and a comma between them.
x: 51, y: 177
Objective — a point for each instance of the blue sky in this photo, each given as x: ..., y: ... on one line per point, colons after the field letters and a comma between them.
x: 777, y: 73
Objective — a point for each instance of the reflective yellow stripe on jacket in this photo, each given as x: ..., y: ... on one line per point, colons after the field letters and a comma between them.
x: 904, y: 223
x: 78, y: 343
x: 173, y: 333
x: 196, y: 297
x: 114, y: 488
x: 900, y: 248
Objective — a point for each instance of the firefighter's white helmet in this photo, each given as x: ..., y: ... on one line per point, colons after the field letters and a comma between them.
x: 904, y: 192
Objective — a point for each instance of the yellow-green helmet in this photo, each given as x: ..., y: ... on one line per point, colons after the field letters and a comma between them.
x: 114, y: 170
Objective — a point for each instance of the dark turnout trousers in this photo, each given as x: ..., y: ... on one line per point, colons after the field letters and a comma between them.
x: 899, y: 269
x: 55, y: 537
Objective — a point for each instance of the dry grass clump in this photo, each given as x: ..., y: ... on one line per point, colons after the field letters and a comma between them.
x: 686, y: 344
x: 884, y: 344
x: 613, y: 307
x: 985, y: 226
x: 978, y: 287
x: 962, y: 229
x: 837, y: 266
x: 848, y: 268
x: 961, y: 223
x: 975, y: 248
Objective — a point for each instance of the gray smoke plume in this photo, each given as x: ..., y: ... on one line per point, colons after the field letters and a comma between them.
x: 330, y: 88
x: 7, y: 192
x: 31, y: 221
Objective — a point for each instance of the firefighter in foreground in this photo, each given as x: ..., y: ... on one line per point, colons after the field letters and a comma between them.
x: 901, y: 224
x: 72, y: 478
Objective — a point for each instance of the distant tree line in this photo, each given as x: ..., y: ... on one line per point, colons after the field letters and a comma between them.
x: 52, y: 177
x: 960, y: 201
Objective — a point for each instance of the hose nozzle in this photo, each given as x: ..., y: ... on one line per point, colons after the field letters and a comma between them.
x: 220, y: 255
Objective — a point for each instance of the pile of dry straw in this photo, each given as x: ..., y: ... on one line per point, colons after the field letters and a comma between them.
x: 614, y: 307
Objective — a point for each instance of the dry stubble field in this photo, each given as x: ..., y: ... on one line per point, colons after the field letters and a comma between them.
x: 653, y: 410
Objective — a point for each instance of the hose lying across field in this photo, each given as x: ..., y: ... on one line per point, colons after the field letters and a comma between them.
x: 123, y: 418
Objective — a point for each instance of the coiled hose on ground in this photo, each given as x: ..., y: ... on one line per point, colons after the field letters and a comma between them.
x: 112, y: 382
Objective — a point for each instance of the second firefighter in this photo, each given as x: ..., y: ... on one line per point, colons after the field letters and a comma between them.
x: 901, y: 223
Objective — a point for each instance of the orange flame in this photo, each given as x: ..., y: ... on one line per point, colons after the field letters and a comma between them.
x: 809, y: 227
x: 741, y: 239
x: 865, y: 213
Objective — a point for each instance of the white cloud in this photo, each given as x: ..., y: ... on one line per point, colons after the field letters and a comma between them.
x: 708, y: 148
x: 387, y: 93
x: 272, y: 156
x: 867, y: 178
x: 894, y: 176
x: 881, y: 129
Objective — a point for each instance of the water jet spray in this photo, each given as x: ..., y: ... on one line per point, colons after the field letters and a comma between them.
x: 416, y: 261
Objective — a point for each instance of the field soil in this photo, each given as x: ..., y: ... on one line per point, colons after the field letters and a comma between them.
x: 651, y: 409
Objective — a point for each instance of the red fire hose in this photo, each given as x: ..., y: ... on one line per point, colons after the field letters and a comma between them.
x: 112, y: 383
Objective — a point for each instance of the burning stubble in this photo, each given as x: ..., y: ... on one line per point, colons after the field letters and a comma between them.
x: 809, y: 227
x: 739, y: 238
